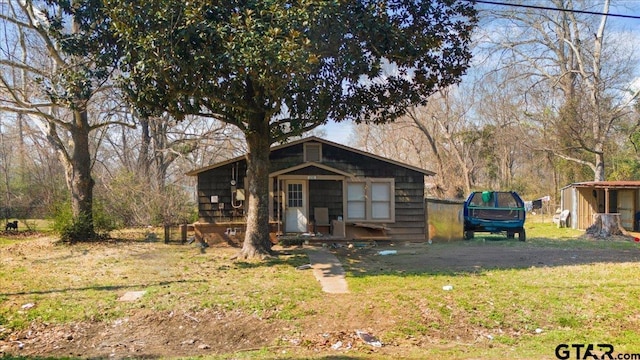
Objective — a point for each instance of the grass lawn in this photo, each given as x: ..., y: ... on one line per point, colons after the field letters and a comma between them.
x: 65, y: 299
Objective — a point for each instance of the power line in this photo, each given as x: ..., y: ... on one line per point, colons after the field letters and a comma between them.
x: 556, y: 9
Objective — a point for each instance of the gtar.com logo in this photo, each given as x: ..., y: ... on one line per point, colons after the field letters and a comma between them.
x: 590, y: 351
x: 583, y: 351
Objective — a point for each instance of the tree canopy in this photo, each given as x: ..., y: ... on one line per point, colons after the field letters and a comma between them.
x: 578, y: 71
x: 278, y: 68
x: 298, y: 63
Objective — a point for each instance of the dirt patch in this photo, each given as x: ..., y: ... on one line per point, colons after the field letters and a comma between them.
x: 475, y: 256
x: 145, y: 334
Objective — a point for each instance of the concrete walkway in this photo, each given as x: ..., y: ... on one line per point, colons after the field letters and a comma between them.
x: 328, y: 270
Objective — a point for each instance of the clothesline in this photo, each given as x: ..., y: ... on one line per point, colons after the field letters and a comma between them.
x: 536, y: 204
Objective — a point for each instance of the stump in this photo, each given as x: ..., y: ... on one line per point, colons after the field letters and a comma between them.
x: 606, y: 225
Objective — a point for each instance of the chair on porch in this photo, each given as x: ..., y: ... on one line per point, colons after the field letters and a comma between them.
x: 321, y: 220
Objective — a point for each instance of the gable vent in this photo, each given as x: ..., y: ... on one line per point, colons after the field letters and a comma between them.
x: 312, y: 152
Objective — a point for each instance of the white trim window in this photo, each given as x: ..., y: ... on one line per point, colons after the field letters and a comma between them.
x: 370, y: 200
x: 356, y: 200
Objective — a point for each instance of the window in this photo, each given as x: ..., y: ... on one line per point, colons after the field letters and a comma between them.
x: 312, y: 152
x: 356, y: 201
x: 294, y: 195
x: 370, y: 200
x: 506, y: 200
x: 380, y: 201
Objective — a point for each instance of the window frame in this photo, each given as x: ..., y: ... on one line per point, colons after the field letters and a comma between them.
x: 295, y: 195
x: 368, y: 200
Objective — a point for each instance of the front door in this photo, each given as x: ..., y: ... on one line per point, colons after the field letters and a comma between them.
x: 296, y: 206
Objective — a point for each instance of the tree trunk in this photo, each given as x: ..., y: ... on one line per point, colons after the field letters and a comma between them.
x: 145, y: 146
x: 599, y: 167
x: 161, y: 158
x: 78, y: 173
x: 257, y: 243
x: 606, y: 225
x: 433, y: 145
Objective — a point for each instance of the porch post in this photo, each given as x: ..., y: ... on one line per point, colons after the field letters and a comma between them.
x: 271, y: 194
x: 278, y: 196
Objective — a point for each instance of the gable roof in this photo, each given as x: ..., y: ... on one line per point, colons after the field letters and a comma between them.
x: 320, y: 140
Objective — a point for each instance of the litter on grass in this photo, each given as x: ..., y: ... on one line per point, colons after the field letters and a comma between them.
x: 368, y: 338
x: 387, y: 252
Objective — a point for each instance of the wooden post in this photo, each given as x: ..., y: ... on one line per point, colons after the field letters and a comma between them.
x: 183, y: 233
x: 167, y: 233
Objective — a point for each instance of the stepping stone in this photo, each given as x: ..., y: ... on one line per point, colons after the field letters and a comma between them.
x: 132, y: 295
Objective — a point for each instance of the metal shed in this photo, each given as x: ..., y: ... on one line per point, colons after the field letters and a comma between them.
x: 584, y: 199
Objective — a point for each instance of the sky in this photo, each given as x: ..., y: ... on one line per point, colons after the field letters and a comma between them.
x: 338, y: 132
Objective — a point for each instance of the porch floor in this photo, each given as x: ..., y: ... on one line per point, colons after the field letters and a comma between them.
x: 328, y: 240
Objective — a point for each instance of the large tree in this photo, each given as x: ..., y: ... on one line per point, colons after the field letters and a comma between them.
x: 52, y: 65
x: 582, y: 68
x: 278, y: 68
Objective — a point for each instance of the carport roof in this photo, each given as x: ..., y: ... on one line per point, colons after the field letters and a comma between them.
x: 616, y: 184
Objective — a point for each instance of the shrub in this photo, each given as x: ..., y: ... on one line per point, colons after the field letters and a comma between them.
x: 84, y: 228
x: 79, y: 229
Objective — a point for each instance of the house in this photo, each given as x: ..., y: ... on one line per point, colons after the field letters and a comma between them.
x: 318, y: 187
x: 584, y: 199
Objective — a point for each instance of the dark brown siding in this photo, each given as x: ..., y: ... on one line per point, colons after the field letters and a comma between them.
x: 410, y: 221
x: 218, y: 182
x: 327, y: 194
x: 409, y: 189
x: 410, y: 207
x: 286, y: 158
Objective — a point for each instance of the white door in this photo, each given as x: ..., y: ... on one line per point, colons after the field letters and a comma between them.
x: 625, y: 208
x: 296, y: 206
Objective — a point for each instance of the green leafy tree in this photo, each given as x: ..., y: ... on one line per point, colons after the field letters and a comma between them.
x: 278, y: 68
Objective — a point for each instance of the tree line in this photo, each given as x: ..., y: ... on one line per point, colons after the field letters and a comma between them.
x: 552, y: 100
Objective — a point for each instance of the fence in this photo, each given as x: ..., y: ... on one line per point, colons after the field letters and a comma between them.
x: 445, y: 219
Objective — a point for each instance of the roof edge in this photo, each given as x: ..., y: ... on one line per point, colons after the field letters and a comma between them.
x: 605, y: 184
